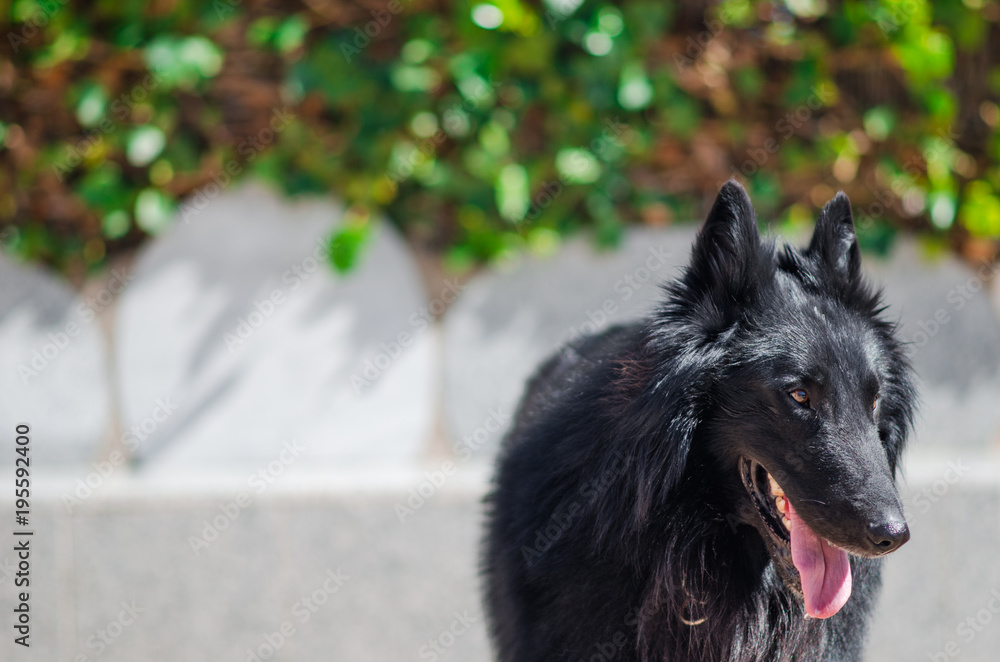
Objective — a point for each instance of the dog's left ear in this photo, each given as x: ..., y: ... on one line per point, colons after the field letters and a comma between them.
x: 834, y: 243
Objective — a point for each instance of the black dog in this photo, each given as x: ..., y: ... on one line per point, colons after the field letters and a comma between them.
x: 713, y: 484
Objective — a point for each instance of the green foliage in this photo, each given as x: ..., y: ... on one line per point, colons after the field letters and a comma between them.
x: 489, y: 127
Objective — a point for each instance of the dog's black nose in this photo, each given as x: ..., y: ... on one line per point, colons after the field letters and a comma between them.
x: 888, y: 535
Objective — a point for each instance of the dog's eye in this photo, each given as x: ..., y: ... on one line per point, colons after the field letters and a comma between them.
x: 875, y: 403
x: 801, y: 396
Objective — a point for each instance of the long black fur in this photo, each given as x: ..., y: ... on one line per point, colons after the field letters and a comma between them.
x: 618, y: 527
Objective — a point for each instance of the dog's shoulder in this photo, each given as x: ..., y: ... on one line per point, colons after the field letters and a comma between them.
x: 575, y: 369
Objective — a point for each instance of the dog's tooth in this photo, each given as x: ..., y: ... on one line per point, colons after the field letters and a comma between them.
x: 775, y: 488
x: 781, y: 504
x: 787, y: 522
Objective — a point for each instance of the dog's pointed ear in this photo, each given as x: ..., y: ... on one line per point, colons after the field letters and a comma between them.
x: 727, y: 250
x: 834, y: 243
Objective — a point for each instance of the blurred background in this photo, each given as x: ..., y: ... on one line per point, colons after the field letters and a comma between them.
x: 273, y: 276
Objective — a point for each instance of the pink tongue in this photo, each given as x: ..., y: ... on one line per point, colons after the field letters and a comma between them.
x: 825, y: 570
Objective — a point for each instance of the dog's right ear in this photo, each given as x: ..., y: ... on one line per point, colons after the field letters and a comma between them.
x: 727, y: 259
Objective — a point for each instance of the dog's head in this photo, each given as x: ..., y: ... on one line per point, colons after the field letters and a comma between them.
x: 812, y: 399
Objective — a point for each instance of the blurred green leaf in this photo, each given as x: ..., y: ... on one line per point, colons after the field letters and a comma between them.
x: 144, y: 144
x: 183, y: 61
x: 512, y: 193
x: 345, y: 246
x: 92, y: 104
x: 578, y: 166
x: 980, y: 212
x: 879, y: 122
x: 635, y: 92
x: 116, y: 224
x: 154, y: 211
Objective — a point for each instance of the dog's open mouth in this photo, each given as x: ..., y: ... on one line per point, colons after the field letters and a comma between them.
x: 809, y: 564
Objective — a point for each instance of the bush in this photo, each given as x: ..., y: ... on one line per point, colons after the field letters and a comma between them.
x: 484, y: 128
